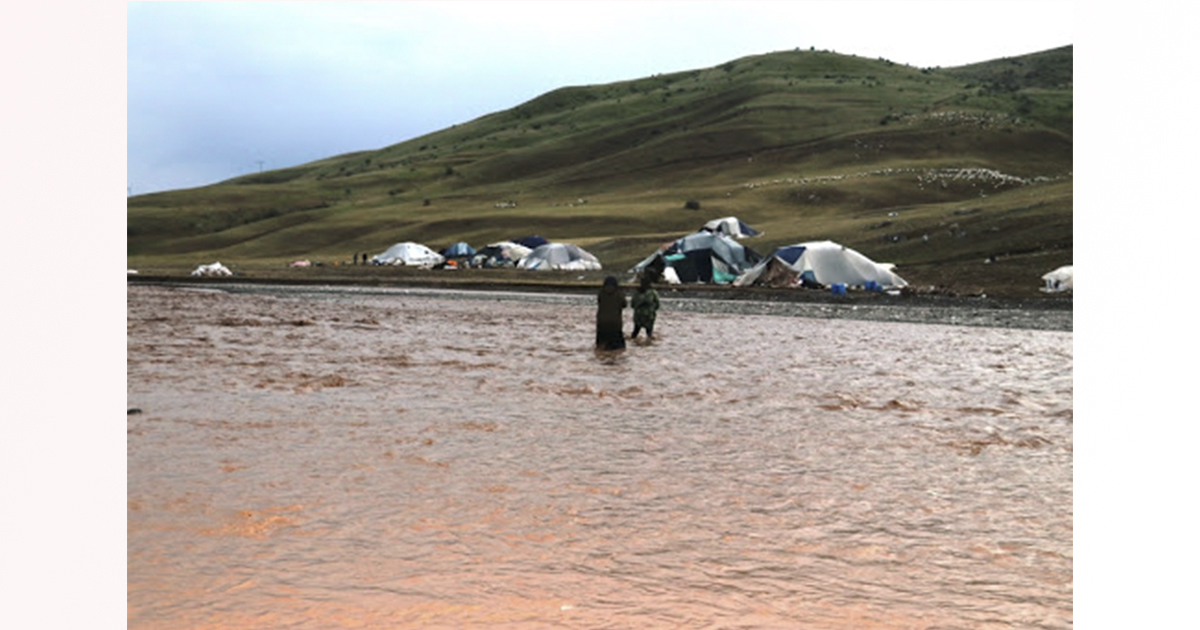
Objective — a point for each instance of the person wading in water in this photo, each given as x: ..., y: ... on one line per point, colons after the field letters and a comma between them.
x: 609, y: 308
x: 645, y: 308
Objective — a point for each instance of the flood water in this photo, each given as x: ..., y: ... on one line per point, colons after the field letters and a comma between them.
x: 341, y: 460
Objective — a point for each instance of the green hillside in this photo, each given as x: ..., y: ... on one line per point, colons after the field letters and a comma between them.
x: 962, y: 177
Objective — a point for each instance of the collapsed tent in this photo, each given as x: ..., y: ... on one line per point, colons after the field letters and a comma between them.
x: 458, y: 250
x: 730, y: 226
x: 502, y: 254
x: 1061, y: 279
x: 215, y: 269
x: 820, y: 263
x: 699, y: 257
x: 559, y: 256
x: 408, y: 253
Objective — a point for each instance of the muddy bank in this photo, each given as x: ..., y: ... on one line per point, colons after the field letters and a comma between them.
x: 1047, y: 313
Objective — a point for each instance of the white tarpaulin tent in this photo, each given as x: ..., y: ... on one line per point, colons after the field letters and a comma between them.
x: 408, y: 253
x: 215, y: 269
x: 730, y: 226
x: 825, y: 263
x: 559, y: 256
x: 1061, y: 279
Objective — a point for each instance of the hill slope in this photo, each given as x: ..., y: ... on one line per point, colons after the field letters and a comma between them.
x: 960, y: 176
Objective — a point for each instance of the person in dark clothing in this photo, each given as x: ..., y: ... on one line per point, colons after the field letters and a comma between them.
x: 645, y: 308
x: 610, y: 306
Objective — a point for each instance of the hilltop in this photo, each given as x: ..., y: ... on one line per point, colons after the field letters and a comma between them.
x: 961, y: 176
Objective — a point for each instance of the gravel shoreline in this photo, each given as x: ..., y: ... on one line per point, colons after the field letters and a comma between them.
x: 1052, y: 314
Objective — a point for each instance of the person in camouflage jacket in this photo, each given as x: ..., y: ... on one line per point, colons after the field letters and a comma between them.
x: 645, y: 308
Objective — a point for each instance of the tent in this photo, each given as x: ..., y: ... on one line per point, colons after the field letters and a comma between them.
x: 559, y: 256
x: 821, y: 263
x: 700, y: 257
x: 532, y: 242
x: 215, y: 269
x: 458, y: 250
x: 730, y: 226
x: 408, y: 253
x: 502, y: 254
x: 1061, y: 279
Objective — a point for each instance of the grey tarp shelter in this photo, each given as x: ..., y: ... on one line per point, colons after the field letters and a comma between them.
x: 704, y: 257
x: 559, y: 256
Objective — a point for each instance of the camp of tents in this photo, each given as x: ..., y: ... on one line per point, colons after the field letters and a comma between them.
x: 711, y: 255
x: 530, y: 252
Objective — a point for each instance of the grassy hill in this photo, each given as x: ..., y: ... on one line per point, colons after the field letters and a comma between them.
x: 961, y: 176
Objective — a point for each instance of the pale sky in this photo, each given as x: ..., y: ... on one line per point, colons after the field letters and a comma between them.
x: 217, y: 90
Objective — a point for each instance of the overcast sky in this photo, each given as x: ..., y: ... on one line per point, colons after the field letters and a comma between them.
x: 217, y: 90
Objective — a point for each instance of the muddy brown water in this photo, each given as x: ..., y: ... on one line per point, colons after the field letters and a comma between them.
x: 336, y: 459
